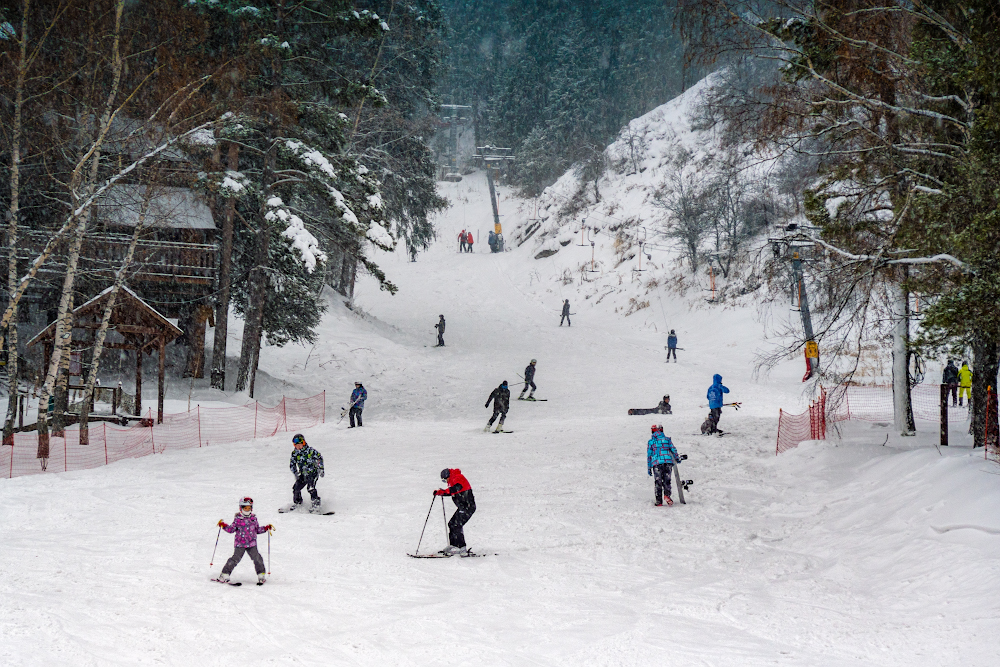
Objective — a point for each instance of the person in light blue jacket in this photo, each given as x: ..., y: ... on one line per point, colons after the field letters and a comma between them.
x: 661, y: 455
x: 715, y: 401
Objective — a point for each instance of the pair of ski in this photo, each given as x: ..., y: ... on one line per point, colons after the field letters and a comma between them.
x: 468, y: 554
x: 534, y: 400
x: 234, y: 583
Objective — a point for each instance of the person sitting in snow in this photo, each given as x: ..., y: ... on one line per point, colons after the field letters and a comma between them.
x: 247, y: 529
x: 661, y: 455
x: 307, y: 466
x: 460, y: 490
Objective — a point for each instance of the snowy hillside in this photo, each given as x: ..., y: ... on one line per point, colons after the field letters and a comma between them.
x: 843, y: 552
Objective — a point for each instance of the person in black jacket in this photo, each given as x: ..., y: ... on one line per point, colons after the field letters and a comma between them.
x: 501, y: 403
x: 950, y: 378
x: 565, y: 314
x: 529, y: 381
x: 440, y: 327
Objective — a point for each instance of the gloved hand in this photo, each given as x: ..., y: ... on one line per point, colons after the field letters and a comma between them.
x: 269, y: 527
x: 222, y: 524
x: 649, y: 471
x: 487, y: 405
x: 438, y: 492
x: 322, y: 472
x: 684, y: 457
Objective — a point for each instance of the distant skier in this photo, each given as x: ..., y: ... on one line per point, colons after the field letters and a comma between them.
x: 358, y: 397
x: 950, y: 378
x: 461, y: 241
x: 440, y: 328
x: 501, y: 403
x: 965, y: 383
x: 468, y: 242
x: 565, y: 314
x: 492, y: 241
x: 460, y: 490
x: 307, y: 466
x: 672, y: 346
x: 247, y: 529
x: 529, y: 381
x: 715, y: 401
x: 661, y: 455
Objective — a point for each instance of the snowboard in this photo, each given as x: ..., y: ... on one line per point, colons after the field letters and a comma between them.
x: 681, y: 484
x: 534, y: 400
x: 231, y: 583
x: 501, y: 431
x: 288, y: 509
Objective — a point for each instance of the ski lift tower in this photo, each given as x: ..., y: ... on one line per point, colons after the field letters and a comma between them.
x: 493, y: 159
x: 454, y: 115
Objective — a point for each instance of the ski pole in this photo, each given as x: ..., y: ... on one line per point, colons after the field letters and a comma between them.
x: 447, y: 536
x: 216, y: 546
x: 269, y: 553
x: 433, y: 498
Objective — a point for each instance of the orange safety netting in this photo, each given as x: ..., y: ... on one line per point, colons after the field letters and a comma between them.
x: 810, y: 425
x: 198, y: 428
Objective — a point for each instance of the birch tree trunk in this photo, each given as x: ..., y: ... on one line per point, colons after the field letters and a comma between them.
x: 225, y: 272
x: 63, y: 339
x: 902, y: 407
x: 102, y: 330
x: 12, y: 226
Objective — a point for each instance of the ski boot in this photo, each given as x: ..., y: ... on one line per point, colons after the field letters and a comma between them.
x: 261, y: 579
x: 450, y: 551
x: 315, y: 506
x: 487, y: 429
x: 531, y: 397
x: 669, y: 501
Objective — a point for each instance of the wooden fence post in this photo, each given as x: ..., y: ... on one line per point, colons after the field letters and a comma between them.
x: 199, y: 424
x: 105, y: 443
x: 284, y: 411
x: 944, y: 415
x: 255, y: 406
x: 152, y: 438
x: 324, y: 406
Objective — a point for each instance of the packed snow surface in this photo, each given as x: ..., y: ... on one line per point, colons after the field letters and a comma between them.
x: 843, y: 552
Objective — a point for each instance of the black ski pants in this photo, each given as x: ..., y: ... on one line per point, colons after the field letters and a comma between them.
x: 715, y: 414
x: 496, y: 411
x: 529, y: 383
x: 440, y: 338
x: 661, y: 478
x: 953, y: 388
x: 565, y: 316
x: 673, y: 351
x: 309, y: 483
x: 466, y: 504
x: 258, y: 561
x: 355, y: 412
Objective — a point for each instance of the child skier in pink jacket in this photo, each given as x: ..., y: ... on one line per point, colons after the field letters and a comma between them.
x: 247, y: 529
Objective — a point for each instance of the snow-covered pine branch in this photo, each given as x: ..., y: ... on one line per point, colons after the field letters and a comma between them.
x: 295, y: 231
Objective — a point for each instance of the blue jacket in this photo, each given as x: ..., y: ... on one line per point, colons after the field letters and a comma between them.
x: 358, y: 397
x: 660, y: 450
x: 716, y: 391
x: 671, y: 341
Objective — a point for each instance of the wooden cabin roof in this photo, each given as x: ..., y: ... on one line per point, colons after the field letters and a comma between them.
x: 131, y: 315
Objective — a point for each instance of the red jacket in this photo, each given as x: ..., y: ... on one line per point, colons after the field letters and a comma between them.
x: 468, y: 238
x: 456, y: 484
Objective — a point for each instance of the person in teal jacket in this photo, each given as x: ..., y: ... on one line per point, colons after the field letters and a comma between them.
x: 660, y: 458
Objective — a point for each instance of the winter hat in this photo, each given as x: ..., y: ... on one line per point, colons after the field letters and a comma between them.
x: 671, y: 331
x: 503, y: 384
x: 653, y: 428
x: 445, y: 474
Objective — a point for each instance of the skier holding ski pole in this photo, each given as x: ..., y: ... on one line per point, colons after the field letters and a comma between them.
x: 358, y: 397
x: 529, y: 381
x: 247, y: 529
x: 672, y: 346
x: 460, y: 490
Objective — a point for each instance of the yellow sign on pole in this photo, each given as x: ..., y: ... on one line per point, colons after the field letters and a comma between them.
x: 812, y: 349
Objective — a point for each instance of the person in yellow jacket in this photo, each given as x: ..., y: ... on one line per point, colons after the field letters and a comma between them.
x: 965, y: 382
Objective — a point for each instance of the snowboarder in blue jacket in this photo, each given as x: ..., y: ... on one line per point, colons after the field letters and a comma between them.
x: 358, y: 397
x: 661, y: 455
x: 715, y: 401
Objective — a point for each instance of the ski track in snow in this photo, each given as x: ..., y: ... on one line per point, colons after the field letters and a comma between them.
x: 837, y: 553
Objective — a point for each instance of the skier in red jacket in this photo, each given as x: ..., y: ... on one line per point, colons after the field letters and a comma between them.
x: 461, y: 493
x: 468, y: 242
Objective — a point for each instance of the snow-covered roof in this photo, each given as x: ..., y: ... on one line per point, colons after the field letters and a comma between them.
x: 174, y: 208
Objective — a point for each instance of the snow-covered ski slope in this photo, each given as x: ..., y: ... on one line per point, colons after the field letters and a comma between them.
x: 843, y: 552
